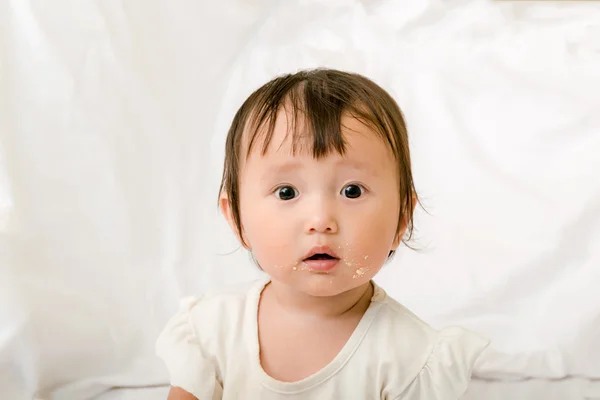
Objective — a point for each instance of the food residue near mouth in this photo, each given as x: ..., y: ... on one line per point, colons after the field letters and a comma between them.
x: 360, y: 272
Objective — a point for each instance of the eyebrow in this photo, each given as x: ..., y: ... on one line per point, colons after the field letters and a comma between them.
x: 286, y: 166
x: 281, y: 169
x: 290, y: 166
x: 357, y: 165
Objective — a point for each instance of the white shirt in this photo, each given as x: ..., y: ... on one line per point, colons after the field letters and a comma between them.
x: 211, y: 350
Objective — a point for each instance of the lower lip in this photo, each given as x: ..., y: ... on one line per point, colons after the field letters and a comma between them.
x: 321, y: 265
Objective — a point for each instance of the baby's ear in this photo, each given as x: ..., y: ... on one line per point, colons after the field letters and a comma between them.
x: 397, y: 241
x: 227, y: 211
x: 404, y: 225
x: 225, y: 207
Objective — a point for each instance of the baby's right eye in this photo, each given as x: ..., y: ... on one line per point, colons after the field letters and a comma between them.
x: 286, y: 192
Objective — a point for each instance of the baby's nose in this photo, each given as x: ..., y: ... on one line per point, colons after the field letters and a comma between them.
x: 322, y: 220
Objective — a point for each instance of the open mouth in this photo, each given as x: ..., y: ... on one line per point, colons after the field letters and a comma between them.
x: 321, y: 259
x: 321, y: 256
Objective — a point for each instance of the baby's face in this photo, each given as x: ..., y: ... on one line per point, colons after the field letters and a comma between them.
x: 345, y: 206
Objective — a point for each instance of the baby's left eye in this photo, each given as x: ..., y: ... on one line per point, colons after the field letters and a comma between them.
x: 352, y: 191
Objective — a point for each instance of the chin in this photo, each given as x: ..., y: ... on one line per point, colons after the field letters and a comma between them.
x: 329, y: 286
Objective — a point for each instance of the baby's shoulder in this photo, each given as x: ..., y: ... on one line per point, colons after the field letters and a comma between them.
x: 196, y: 342
x: 397, y: 334
x: 223, y: 303
x: 394, y: 320
x: 224, y: 306
x: 216, y: 316
x: 417, y: 356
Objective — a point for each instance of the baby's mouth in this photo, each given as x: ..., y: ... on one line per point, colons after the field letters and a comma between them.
x: 320, y: 256
x: 321, y: 259
x: 321, y: 262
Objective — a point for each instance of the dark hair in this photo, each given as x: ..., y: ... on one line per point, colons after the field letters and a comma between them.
x: 320, y: 97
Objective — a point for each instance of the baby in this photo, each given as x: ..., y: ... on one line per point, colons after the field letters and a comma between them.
x: 317, y: 185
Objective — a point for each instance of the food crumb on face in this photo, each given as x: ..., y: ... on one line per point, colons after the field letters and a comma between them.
x: 360, y: 272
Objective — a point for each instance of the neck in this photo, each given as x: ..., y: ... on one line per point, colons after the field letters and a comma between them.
x: 356, y: 300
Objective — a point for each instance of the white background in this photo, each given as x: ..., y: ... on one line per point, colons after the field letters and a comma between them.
x: 113, y: 116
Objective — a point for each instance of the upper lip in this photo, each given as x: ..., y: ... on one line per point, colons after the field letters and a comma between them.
x: 320, y: 250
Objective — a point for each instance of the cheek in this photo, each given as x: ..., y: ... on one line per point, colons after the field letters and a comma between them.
x: 270, y: 238
x: 372, y: 239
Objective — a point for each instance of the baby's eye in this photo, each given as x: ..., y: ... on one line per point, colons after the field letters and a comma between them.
x: 352, y: 191
x: 286, y: 192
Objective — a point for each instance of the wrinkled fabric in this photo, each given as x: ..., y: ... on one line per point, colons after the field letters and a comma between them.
x: 439, y: 380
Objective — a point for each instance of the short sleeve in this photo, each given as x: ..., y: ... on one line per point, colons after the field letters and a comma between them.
x: 179, y: 348
x: 447, y: 372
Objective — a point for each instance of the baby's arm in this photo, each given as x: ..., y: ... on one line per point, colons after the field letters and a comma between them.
x: 177, y: 393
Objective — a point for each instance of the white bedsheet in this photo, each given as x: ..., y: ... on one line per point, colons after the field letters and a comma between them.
x: 568, y: 389
x: 112, y: 120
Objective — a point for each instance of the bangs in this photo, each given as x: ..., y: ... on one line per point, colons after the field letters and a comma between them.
x: 314, y: 109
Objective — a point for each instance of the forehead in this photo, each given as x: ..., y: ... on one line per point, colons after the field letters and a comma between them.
x: 292, y: 136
